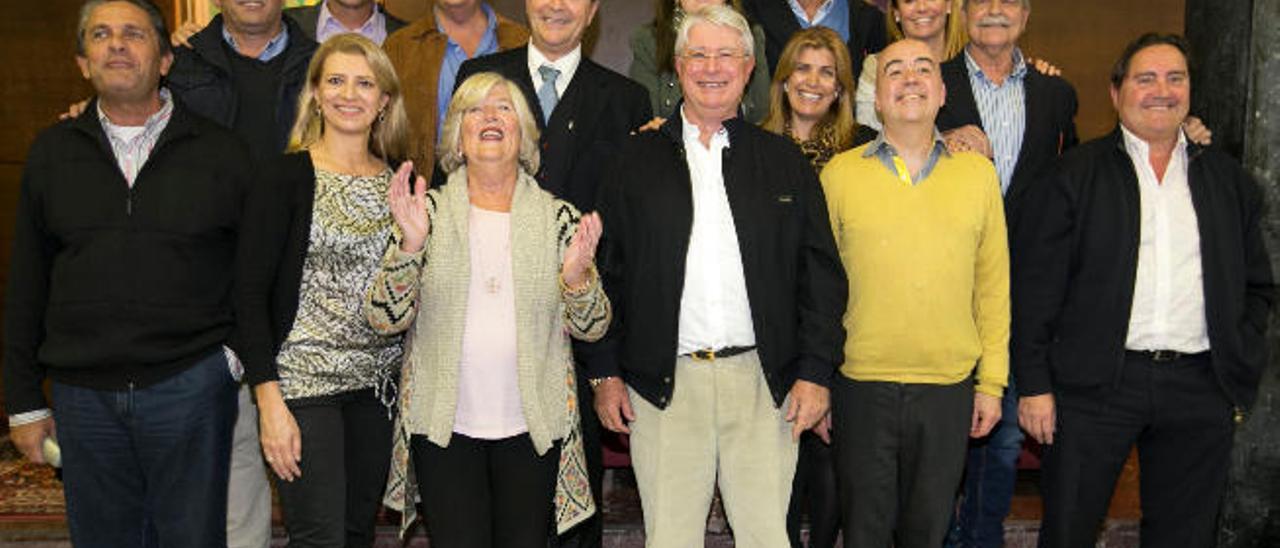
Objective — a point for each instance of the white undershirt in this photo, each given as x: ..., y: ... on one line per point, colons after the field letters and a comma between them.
x: 714, y: 309
x: 1168, y: 292
x: 488, y: 388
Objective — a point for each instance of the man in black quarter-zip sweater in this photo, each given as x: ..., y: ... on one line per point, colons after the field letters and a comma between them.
x: 119, y: 292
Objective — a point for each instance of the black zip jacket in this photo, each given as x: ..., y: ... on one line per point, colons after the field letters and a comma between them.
x: 201, y: 77
x: 1078, y: 259
x: 795, y: 282
x: 112, y: 286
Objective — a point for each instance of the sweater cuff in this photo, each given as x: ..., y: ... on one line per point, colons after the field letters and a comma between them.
x: 990, y: 389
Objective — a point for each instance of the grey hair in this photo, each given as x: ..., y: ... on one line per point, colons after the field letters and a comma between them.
x: 719, y: 15
x: 153, y: 13
x: 472, y: 92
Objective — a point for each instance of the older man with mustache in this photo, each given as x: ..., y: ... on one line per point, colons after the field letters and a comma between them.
x: 922, y: 233
x: 1141, y: 309
x: 1025, y: 119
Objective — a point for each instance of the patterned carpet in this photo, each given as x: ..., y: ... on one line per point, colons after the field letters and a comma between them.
x: 27, y: 490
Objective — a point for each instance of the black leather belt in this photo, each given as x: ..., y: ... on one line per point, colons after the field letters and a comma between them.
x: 707, y: 354
x: 1164, y: 356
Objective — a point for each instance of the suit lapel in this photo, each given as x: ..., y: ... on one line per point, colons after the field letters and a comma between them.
x: 517, y: 70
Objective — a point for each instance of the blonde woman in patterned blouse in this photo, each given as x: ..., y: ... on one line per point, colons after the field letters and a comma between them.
x: 318, y: 222
x: 812, y: 103
x: 490, y: 276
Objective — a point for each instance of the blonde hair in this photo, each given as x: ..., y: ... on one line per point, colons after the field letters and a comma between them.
x: 840, y: 115
x: 471, y: 93
x: 720, y: 16
x: 954, y: 34
x: 389, y: 136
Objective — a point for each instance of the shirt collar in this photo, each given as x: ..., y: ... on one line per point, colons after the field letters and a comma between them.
x: 567, y: 64
x: 325, y: 20
x: 819, y: 15
x: 692, y: 133
x: 1019, y: 66
x: 274, y: 48
x: 880, y: 144
x: 1139, y: 149
x: 160, y: 116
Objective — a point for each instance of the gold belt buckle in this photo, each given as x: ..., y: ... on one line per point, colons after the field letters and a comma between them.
x: 708, y: 355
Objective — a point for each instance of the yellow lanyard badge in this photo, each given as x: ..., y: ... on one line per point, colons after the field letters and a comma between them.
x: 904, y: 174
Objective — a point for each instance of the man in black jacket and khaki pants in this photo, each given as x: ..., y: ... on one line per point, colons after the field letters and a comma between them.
x: 727, y: 292
x: 1140, y: 313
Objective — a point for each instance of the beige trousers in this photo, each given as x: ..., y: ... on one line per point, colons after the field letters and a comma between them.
x: 721, y: 424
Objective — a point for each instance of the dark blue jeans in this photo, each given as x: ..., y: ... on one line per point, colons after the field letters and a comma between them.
x: 991, y: 470
x: 148, y: 466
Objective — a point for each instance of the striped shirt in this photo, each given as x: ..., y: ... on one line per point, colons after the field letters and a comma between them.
x: 132, y: 145
x: 1003, y: 109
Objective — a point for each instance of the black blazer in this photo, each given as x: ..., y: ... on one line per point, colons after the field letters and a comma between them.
x: 1050, y: 130
x: 795, y: 281
x: 866, y: 29
x: 1078, y: 259
x: 598, y: 110
x: 273, y: 247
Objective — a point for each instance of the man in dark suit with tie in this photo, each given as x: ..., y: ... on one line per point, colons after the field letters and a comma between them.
x: 1023, y: 120
x: 858, y: 22
x: 584, y: 112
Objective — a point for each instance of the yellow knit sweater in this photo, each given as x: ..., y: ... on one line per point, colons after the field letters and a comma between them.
x: 928, y: 269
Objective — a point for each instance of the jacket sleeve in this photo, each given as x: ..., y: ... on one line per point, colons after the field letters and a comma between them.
x: 27, y: 295
x: 991, y: 295
x: 865, y: 94
x: 822, y: 288
x: 1070, y: 106
x: 1043, y: 252
x: 392, y: 301
x: 756, y: 102
x: 1260, y: 289
x: 264, y: 233
x: 586, y: 309
x: 602, y: 358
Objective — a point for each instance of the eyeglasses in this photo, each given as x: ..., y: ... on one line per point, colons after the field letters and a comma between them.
x: 700, y: 58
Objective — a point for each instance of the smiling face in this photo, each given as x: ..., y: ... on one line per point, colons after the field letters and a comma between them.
x: 909, y: 87
x: 122, y: 58
x: 557, y: 26
x: 922, y: 19
x: 995, y: 24
x: 713, y: 71
x: 491, y: 129
x: 1155, y: 95
x: 349, y: 96
x: 250, y: 16
x: 812, y: 87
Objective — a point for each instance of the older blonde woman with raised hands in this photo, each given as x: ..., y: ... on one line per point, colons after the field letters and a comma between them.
x: 490, y: 275
x: 316, y: 225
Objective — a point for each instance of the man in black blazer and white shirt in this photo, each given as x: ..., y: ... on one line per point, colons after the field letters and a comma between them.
x: 1140, y: 313
x: 1023, y: 119
x: 584, y: 112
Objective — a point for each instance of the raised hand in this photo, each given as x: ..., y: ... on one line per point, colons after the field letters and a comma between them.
x: 409, y: 208
x: 582, y: 251
x: 183, y: 33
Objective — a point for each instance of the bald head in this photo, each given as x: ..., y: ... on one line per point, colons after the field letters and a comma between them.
x: 909, y: 87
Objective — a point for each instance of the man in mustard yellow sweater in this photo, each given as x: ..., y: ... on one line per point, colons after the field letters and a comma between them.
x: 921, y: 233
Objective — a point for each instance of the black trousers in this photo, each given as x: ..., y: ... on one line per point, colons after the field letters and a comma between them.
x: 900, y: 452
x: 1182, y: 423
x: 486, y: 493
x: 813, y: 492
x: 346, y: 451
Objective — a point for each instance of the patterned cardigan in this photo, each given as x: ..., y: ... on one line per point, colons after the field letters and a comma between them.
x: 426, y: 292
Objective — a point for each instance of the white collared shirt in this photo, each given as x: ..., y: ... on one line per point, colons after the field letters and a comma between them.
x: 715, y: 311
x: 1168, y: 292
x: 567, y: 65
